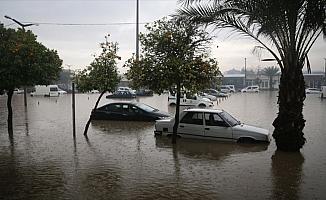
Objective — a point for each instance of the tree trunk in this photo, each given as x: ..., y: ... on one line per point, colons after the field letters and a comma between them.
x: 177, y: 112
x: 95, y: 107
x: 9, y: 120
x: 289, y: 123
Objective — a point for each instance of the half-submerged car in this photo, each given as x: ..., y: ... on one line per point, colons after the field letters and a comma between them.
x: 190, y: 101
x: 253, y: 88
x: 128, y: 111
x: 313, y: 91
x: 122, y: 95
x: 212, y: 124
x: 215, y: 93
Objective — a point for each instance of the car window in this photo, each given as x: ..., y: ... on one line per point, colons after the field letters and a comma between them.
x: 113, y: 108
x: 212, y: 119
x: 53, y: 89
x: 133, y: 109
x: 125, y: 108
x: 193, y: 118
x: 229, y: 119
x: 147, y: 108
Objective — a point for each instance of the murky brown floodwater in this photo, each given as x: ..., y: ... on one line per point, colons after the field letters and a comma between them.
x: 123, y: 160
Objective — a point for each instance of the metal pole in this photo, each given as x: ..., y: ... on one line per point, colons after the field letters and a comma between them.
x: 137, y: 30
x: 73, y: 111
x: 245, y: 71
x: 325, y: 72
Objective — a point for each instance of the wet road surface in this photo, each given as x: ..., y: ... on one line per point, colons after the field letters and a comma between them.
x: 123, y: 160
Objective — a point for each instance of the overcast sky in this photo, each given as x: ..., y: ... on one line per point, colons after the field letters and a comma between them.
x: 76, y: 44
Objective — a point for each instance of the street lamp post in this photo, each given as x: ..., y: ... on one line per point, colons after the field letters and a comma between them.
x: 137, y: 30
x: 245, y: 72
x: 23, y: 27
x: 325, y: 72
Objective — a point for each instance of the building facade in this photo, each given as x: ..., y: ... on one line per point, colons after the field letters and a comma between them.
x: 241, y: 81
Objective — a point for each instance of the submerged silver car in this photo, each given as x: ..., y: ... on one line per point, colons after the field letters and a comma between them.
x: 211, y: 124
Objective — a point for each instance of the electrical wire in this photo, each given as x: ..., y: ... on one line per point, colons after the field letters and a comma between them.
x: 81, y: 24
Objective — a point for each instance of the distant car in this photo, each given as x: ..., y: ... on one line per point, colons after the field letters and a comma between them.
x: 18, y: 91
x: 126, y: 89
x: 211, y: 124
x: 128, y: 111
x: 227, y: 88
x: 208, y: 96
x: 313, y: 91
x: 253, y: 88
x: 215, y: 93
x: 46, y: 91
x: 144, y: 92
x: 62, y: 92
x: 121, y: 94
x: 190, y: 101
x: 232, y: 88
x: 94, y: 91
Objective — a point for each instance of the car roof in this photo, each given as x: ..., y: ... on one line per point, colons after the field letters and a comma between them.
x: 203, y: 110
x: 210, y: 89
x: 122, y: 102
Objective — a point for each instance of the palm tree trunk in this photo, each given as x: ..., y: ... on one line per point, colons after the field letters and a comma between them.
x: 289, y: 123
x: 95, y: 107
x: 9, y: 120
x: 177, y: 112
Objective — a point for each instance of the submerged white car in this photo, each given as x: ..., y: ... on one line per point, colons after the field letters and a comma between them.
x: 253, y: 88
x: 313, y: 91
x: 197, y: 101
x: 212, y: 124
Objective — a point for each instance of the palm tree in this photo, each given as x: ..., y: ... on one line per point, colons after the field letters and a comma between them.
x: 270, y: 72
x: 291, y: 27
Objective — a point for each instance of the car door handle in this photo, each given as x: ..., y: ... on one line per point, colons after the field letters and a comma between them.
x: 181, y: 126
x: 206, y: 128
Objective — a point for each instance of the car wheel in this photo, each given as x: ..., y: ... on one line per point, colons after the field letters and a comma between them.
x: 246, y: 140
x: 202, y: 105
x: 172, y: 104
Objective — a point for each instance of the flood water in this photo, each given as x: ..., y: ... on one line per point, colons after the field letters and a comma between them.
x: 123, y: 160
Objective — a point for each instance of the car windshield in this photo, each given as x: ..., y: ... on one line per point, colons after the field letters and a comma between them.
x: 229, y: 119
x: 146, y: 108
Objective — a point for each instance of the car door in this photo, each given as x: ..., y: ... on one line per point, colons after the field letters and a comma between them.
x: 191, y: 125
x: 137, y: 114
x: 216, y: 127
x: 111, y: 112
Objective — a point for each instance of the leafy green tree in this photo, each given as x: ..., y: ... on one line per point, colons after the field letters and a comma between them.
x: 271, y: 72
x: 174, y: 54
x: 102, y: 73
x: 291, y: 27
x: 24, y: 61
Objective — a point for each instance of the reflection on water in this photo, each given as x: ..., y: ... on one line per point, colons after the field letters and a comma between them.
x: 205, y: 149
x: 287, y: 175
x: 123, y: 160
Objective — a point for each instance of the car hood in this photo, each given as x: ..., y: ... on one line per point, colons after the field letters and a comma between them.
x: 160, y: 113
x: 166, y: 120
x: 251, y: 129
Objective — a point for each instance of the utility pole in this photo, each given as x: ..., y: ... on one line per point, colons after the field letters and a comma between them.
x: 245, y: 72
x: 325, y: 72
x: 23, y: 27
x: 137, y: 30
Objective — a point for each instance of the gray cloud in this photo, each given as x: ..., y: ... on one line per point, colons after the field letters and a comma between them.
x: 77, y: 44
